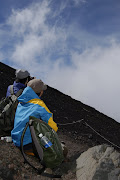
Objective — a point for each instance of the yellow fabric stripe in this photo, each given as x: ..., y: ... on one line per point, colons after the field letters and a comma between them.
x: 39, y: 102
x: 52, y: 124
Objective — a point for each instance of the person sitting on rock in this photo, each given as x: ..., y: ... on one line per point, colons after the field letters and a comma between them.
x: 22, y: 78
x: 30, y: 104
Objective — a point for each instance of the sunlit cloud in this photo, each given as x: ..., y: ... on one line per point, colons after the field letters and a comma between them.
x: 93, y: 80
x: 34, y: 36
x: 31, y: 19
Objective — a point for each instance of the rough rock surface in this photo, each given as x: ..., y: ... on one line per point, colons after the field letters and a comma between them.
x: 99, y: 163
x: 78, y: 137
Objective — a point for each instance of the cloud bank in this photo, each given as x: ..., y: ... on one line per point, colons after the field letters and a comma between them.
x: 69, y: 59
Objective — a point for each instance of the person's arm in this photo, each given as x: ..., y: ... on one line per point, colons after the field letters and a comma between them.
x: 8, y: 91
x: 47, y: 116
x: 52, y: 124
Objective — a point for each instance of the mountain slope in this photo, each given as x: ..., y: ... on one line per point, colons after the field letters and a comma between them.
x: 68, y: 110
x: 71, y: 116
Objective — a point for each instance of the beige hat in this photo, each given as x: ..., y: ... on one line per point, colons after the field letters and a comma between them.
x: 37, y: 85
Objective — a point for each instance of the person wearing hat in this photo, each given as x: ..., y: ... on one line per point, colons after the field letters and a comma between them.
x: 22, y: 77
x: 30, y: 104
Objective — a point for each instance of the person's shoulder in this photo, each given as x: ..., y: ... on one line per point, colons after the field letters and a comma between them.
x: 8, y: 91
x: 40, y: 102
x: 43, y: 105
x: 37, y: 101
x: 9, y: 86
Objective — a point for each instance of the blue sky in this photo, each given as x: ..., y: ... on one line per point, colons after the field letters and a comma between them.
x: 72, y: 45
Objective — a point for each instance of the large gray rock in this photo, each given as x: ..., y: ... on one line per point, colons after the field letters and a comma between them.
x: 99, y: 163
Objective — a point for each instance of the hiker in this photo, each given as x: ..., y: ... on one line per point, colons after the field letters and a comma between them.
x: 22, y: 78
x: 9, y: 103
x: 30, y: 104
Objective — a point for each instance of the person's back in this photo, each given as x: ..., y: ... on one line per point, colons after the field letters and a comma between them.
x: 30, y: 105
x: 22, y: 78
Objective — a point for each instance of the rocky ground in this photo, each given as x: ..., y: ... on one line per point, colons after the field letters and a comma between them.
x: 12, y: 166
x: 78, y: 135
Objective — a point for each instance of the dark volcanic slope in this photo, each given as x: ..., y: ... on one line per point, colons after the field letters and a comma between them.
x: 66, y: 110
x: 6, y: 78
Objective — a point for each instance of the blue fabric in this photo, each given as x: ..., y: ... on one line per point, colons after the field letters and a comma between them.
x: 16, y: 88
x: 23, y: 112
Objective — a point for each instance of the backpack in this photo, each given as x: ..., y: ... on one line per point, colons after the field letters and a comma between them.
x: 49, y: 157
x: 8, y: 107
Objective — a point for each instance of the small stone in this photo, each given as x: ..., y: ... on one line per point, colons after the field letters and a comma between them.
x: 11, y: 166
x: 0, y: 162
x: 90, y: 136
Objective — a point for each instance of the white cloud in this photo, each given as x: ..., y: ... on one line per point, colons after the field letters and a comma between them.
x: 94, y: 81
x: 34, y: 36
x: 31, y: 19
x: 79, y: 2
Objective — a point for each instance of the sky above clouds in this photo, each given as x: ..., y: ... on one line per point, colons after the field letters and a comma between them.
x: 72, y: 45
